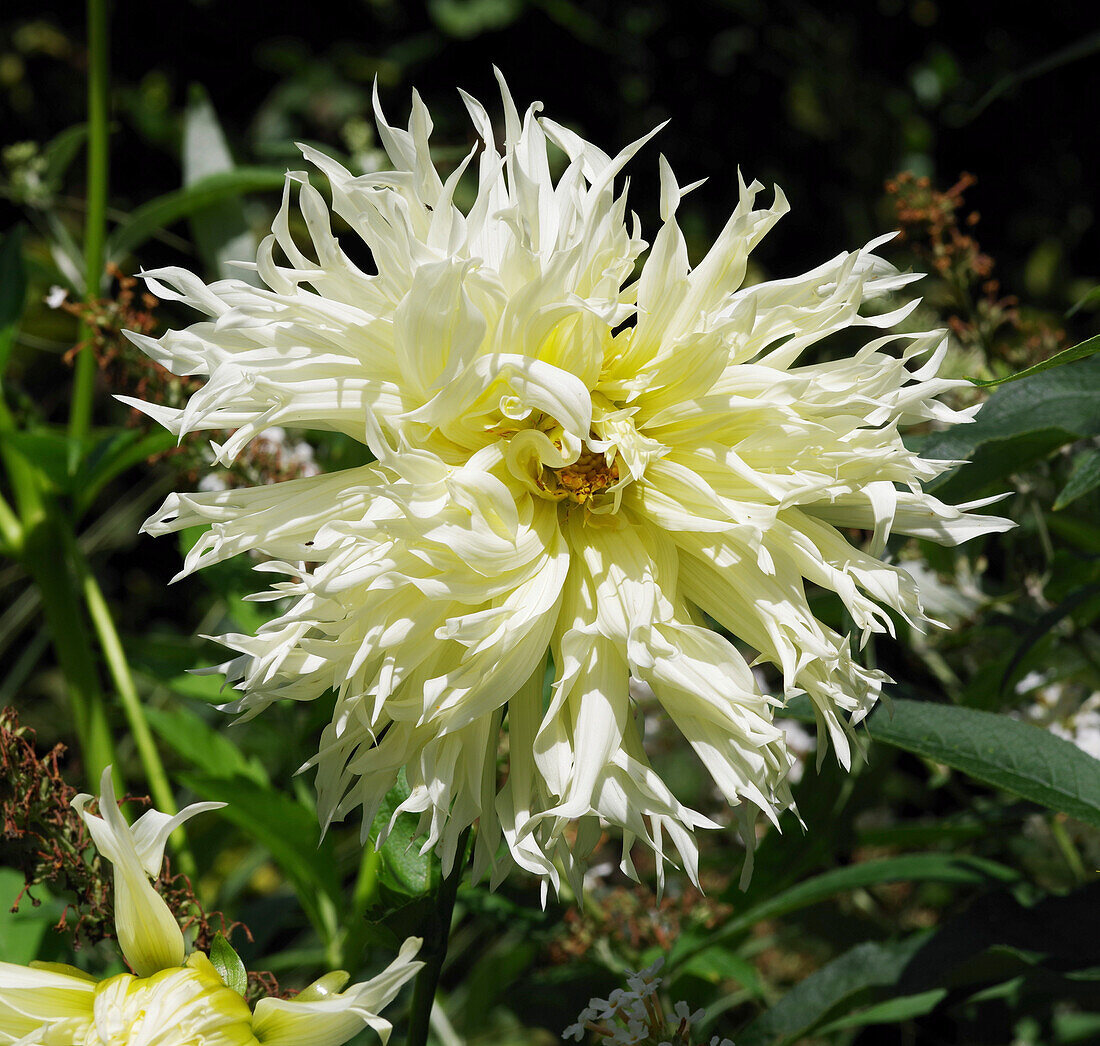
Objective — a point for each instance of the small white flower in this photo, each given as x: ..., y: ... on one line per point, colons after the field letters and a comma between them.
x: 213, y: 481
x: 684, y: 1012
x: 56, y: 297
x: 572, y: 464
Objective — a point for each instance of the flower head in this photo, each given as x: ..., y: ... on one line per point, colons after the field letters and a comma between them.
x: 167, y: 1000
x: 570, y: 462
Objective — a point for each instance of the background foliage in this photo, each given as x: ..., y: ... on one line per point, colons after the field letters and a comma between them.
x: 946, y: 892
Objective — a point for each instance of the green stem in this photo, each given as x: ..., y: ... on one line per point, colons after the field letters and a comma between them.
x: 365, y: 894
x: 1069, y: 851
x: 366, y: 883
x: 95, y: 220
x: 111, y: 645
x: 434, y: 950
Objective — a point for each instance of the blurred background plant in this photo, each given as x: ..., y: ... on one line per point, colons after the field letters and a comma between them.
x: 945, y: 893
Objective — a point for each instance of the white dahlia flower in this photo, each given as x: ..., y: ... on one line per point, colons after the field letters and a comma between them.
x: 573, y: 463
x: 169, y: 1000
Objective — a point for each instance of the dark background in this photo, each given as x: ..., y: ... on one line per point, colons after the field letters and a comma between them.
x: 827, y: 100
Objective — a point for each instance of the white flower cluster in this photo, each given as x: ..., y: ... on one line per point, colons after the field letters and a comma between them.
x: 1060, y: 709
x: 273, y: 455
x: 633, y: 1015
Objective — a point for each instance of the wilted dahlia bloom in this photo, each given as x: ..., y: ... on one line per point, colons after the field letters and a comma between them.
x: 169, y: 1000
x: 573, y: 463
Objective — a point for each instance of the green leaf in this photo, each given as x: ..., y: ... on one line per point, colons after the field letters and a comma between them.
x: 466, y: 19
x: 957, y: 869
x: 288, y: 830
x: 208, y: 687
x: 170, y: 208
x: 221, y: 230
x: 23, y: 934
x: 47, y: 451
x: 1020, y: 758
x: 1084, y: 301
x: 1080, y: 351
x: 404, y: 868
x: 202, y: 746
x: 61, y: 150
x: 892, y: 1011
x: 1019, y: 425
x: 1084, y: 478
x: 993, y: 939
x: 228, y: 964
x: 13, y: 290
x: 847, y: 979
x: 718, y: 964
x: 113, y: 455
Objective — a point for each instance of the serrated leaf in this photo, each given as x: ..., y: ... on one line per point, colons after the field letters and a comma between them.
x: 1018, y: 425
x: 1084, y: 478
x: 1023, y: 759
x: 1080, y: 351
x: 228, y: 964
x: 166, y: 210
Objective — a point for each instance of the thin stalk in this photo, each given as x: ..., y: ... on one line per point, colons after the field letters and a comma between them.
x: 366, y: 883
x: 95, y: 220
x: 363, y: 896
x: 1069, y: 851
x: 111, y: 645
x: 434, y: 950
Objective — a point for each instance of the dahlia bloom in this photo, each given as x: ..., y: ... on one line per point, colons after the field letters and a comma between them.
x: 169, y: 1000
x: 571, y: 462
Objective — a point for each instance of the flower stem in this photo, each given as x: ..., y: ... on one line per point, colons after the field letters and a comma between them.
x: 95, y: 220
x: 1068, y: 850
x: 159, y: 787
x: 434, y: 950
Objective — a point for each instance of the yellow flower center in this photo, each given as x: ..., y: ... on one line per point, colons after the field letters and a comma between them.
x: 187, y: 1005
x: 590, y: 474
